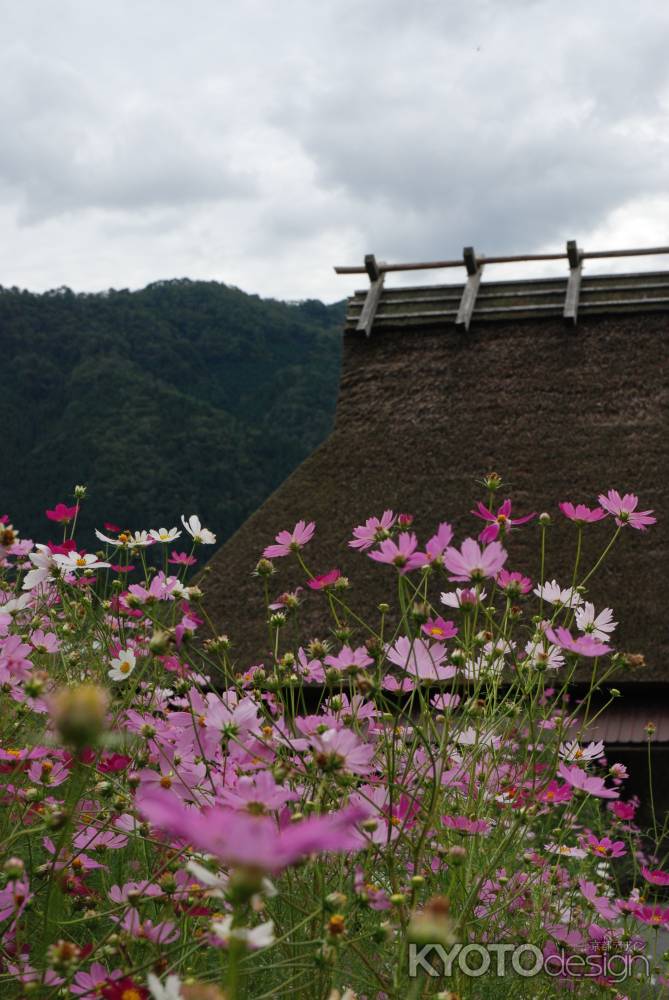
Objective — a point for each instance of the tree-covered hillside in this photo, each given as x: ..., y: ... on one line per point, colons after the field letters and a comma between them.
x: 186, y: 396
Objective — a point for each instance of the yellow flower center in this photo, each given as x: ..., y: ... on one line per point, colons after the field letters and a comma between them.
x: 131, y: 994
x: 125, y: 667
x: 165, y: 781
x: 81, y: 561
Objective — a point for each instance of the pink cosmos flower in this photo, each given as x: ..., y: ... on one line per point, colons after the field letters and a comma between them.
x: 375, y: 529
x: 14, y: 898
x: 500, y: 522
x: 438, y: 628
x: 401, y: 553
x: 342, y: 750
x: 375, y: 897
x: 605, y: 908
x: 161, y: 933
x: 586, y: 782
x: 580, y: 513
x: 44, y: 642
x: 291, y: 541
x: 554, y: 793
x: 462, y: 824
x: 181, y: 559
x: 513, y: 584
x: 258, y: 794
x: 326, y: 580
x: 62, y: 514
x: 420, y: 659
x: 473, y: 562
x: 623, y: 509
x: 14, y: 660
x: 583, y: 645
x: 437, y: 545
x: 89, y: 984
x: 605, y: 848
x: 238, y: 839
x: 444, y: 702
x: 350, y: 659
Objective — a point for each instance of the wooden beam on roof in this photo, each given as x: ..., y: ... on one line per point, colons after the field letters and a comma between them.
x: 575, y: 258
x: 376, y: 279
x: 470, y: 291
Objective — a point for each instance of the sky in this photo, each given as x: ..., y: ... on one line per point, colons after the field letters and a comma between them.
x: 261, y: 142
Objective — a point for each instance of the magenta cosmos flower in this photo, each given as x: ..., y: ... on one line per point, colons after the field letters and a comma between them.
x: 241, y: 840
x: 580, y: 513
x: 500, y: 522
x: 374, y: 530
x: 62, y: 514
x: 656, y: 877
x: 291, y: 541
x: 420, y: 659
x: 473, y: 562
x: 584, y: 645
x: 589, y: 783
x: 326, y: 580
x: 623, y: 509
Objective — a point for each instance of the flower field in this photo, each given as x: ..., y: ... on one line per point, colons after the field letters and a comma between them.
x: 397, y: 808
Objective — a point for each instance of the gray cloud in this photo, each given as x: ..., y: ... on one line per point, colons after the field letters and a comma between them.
x: 262, y: 143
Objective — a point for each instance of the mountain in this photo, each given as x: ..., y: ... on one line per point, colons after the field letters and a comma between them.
x: 183, y: 397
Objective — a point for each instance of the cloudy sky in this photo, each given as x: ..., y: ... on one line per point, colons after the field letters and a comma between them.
x: 260, y: 142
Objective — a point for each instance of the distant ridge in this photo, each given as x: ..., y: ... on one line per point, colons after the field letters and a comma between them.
x: 184, y: 396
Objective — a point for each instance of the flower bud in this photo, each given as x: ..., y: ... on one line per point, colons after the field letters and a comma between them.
x: 79, y: 714
x: 264, y: 567
x: 433, y: 924
x: 544, y: 519
x: 159, y: 642
x: 14, y: 868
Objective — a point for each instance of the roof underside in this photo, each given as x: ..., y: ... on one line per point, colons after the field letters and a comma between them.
x: 428, y: 305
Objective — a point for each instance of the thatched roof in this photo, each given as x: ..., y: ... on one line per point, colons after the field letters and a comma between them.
x: 426, y: 408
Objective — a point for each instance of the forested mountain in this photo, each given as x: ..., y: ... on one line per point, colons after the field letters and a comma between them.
x: 186, y: 396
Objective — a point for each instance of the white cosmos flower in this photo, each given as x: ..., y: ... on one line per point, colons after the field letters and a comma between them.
x: 454, y: 599
x: 554, y: 594
x: 261, y: 936
x: 126, y: 539
x: 44, y: 569
x: 122, y: 665
x: 199, y: 534
x: 565, y: 850
x: 165, y: 535
x: 74, y: 561
x: 550, y: 658
x: 170, y: 991
x: 573, y: 751
x: 600, y: 626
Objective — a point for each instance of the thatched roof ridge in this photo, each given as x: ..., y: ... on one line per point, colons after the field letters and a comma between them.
x: 423, y: 411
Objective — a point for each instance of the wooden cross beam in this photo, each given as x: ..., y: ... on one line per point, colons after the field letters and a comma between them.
x: 470, y: 291
x: 575, y: 258
x: 376, y: 279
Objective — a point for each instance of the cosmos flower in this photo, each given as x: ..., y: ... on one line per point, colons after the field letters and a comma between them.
x: 238, y: 839
x: 574, y: 751
x: 580, y: 513
x: 199, y: 534
x: 473, y: 562
x: 554, y: 594
x: 342, y: 750
x: 122, y: 665
x: 261, y: 936
x: 463, y: 597
x: 583, y: 645
x: 165, y: 535
x: 182, y: 559
x: 126, y: 539
x: 326, y: 580
x: 605, y: 848
x: 438, y: 628
x: 421, y: 659
x: 374, y: 530
x: 656, y: 877
x: 499, y: 523
x: 349, y: 659
x: 401, y: 553
x: 291, y: 541
x: 513, y: 584
x: 62, y: 514
x: 586, y: 782
x: 74, y: 561
x: 598, y: 626
x: 623, y: 509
